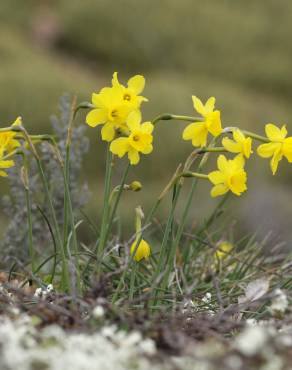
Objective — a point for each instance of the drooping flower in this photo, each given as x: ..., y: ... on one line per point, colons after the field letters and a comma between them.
x: 230, y: 176
x: 240, y: 144
x: 139, y: 140
x: 131, y: 93
x: 280, y: 146
x: 211, y: 123
x: 112, y: 105
x: 142, y: 251
x: 223, y: 249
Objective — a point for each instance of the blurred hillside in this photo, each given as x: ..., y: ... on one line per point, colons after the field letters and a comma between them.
x: 239, y: 51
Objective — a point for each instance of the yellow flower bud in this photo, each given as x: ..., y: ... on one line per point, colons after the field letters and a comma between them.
x: 223, y: 250
x: 135, y: 186
x: 143, y: 250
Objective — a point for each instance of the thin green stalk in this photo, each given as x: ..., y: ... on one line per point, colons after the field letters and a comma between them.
x: 25, y: 180
x: 175, y: 243
x: 248, y: 133
x: 65, y: 271
x: 168, y: 116
x: 132, y: 281
x: 131, y: 262
x: 105, y: 211
x: 117, y: 200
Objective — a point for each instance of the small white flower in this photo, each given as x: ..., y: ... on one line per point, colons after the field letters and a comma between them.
x: 98, y: 312
x: 207, y: 298
x: 279, y: 303
x: 38, y: 292
x: 50, y: 288
x: 252, y: 340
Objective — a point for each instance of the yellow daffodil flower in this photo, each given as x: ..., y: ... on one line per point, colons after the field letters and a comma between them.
x: 143, y: 250
x: 130, y: 94
x: 8, y: 143
x: 198, y: 131
x: 240, y: 144
x: 112, y: 105
x: 280, y: 146
x: 110, y: 111
x: 223, y: 249
x: 230, y: 176
x: 139, y: 140
x: 4, y: 164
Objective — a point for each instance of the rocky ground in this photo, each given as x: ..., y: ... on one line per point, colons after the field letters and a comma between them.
x: 46, y: 331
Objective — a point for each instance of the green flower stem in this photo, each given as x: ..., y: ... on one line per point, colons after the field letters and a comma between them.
x: 132, y: 261
x: 175, y: 243
x: 248, y: 133
x: 168, y: 116
x: 25, y: 181
x: 68, y: 208
x: 82, y: 105
x: 105, y: 211
x: 114, y: 199
x: 65, y: 271
x: 114, y: 205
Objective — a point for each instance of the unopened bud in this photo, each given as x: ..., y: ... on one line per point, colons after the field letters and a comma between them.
x: 136, y: 186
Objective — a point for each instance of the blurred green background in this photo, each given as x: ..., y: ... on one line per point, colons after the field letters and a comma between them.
x: 238, y: 51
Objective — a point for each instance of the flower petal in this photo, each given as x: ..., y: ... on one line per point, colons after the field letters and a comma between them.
x: 222, y: 163
x: 218, y: 190
x: 197, y: 132
x: 230, y: 145
x: 287, y: 149
x: 275, y: 160
x: 274, y: 133
x: 133, y: 156
x: 147, y: 127
x: 96, y: 117
x: 210, y: 104
x: 134, y: 119
x: 216, y: 177
x: 238, y: 136
x: 199, y: 106
x: 108, y: 132
x: 137, y: 84
x: 267, y: 150
x: 147, y: 149
x: 119, y: 146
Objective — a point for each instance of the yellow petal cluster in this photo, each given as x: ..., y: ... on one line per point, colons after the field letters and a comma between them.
x: 223, y: 250
x: 138, y: 141
x: 280, y: 146
x: 211, y: 123
x: 230, y: 176
x: 8, y: 144
x: 240, y: 144
x: 142, y: 251
x: 112, y: 106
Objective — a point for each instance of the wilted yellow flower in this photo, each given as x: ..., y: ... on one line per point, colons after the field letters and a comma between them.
x: 279, y: 147
x: 223, y: 250
x: 240, y: 144
x: 230, y: 176
x: 198, y: 131
x: 139, y: 140
x: 143, y: 250
x: 131, y: 93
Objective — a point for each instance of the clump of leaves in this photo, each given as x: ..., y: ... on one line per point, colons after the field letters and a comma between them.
x: 14, y: 245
